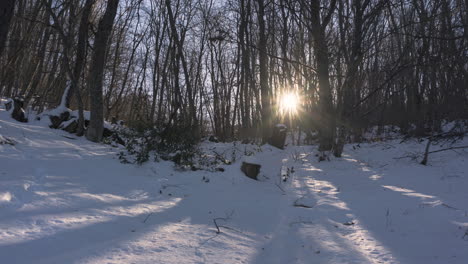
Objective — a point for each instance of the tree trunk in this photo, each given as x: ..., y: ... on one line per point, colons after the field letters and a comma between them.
x: 327, y: 121
x: 96, y: 72
x: 79, y: 64
x: 263, y: 60
x: 7, y: 8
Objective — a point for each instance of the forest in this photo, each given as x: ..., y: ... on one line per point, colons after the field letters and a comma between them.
x: 234, y: 131
x: 232, y: 68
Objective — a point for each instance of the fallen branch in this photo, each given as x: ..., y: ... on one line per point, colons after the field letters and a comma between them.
x: 450, y: 207
x: 301, y: 205
x: 6, y: 141
x: 412, y: 156
x: 301, y: 222
x: 148, y: 216
x: 277, y: 185
x: 445, y: 149
x: 465, y: 235
x: 216, y: 224
x: 297, y: 203
x: 228, y: 216
x: 230, y: 228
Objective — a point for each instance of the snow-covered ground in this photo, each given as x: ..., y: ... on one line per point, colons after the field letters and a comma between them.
x: 67, y: 200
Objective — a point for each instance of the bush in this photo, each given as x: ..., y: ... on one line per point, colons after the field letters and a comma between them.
x: 144, y: 141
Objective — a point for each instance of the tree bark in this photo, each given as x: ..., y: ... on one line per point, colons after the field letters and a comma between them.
x: 96, y: 72
x: 263, y: 60
x: 79, y: 65
x: 327, y: 118
x: 7, y: 8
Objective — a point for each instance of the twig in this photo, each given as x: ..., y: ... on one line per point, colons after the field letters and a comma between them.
x: 228, y: 216
x: 216, y: 224
x: 148, y: 216
x: 301, y: 222
x: 280, y: 187
x: 413, y: 156
x: 297, y: 204
x: 450, y: 207
x: 230, y: 228
x: 388, y: 219
x: 301, y: 205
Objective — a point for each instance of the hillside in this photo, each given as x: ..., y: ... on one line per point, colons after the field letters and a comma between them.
x: 67, y: 200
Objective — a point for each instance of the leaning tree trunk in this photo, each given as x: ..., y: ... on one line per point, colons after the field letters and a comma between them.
x: 79, y: 64
x: 96, y: 122
x: 6, y: 12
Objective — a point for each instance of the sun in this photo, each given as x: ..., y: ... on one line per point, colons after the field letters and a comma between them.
x: 289, y: 103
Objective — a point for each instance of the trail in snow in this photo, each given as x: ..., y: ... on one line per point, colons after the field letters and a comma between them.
x: 70, y: 201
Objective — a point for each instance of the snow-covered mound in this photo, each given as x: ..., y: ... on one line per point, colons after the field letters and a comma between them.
x: 66, y: 200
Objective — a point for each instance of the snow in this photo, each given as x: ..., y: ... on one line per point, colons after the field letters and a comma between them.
x: 251, y: 160
x: 5, y: 197
x: 86, y: 114
x: 57, y: 111
x: 63, y: 100
x: 68, y: 200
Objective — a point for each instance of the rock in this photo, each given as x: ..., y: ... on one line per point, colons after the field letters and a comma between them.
x: 6, y: 141
x: 251, y: 170
x: 278, y: 137
x: 213, y: 139
x: 72, y: 127
x: 8, y: 105
x: 18, y: 112
x: 58, y: 120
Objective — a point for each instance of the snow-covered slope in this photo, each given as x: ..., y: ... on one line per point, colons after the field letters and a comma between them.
x: 67, y: 200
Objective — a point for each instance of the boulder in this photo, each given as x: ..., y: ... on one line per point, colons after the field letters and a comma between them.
x: 8, y: 105
x: 58, y: 120
x: 278, y: 138
x: 71, y: 127
x: 18, y: 112
x: 251, y: 170
x: 213, y: 139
